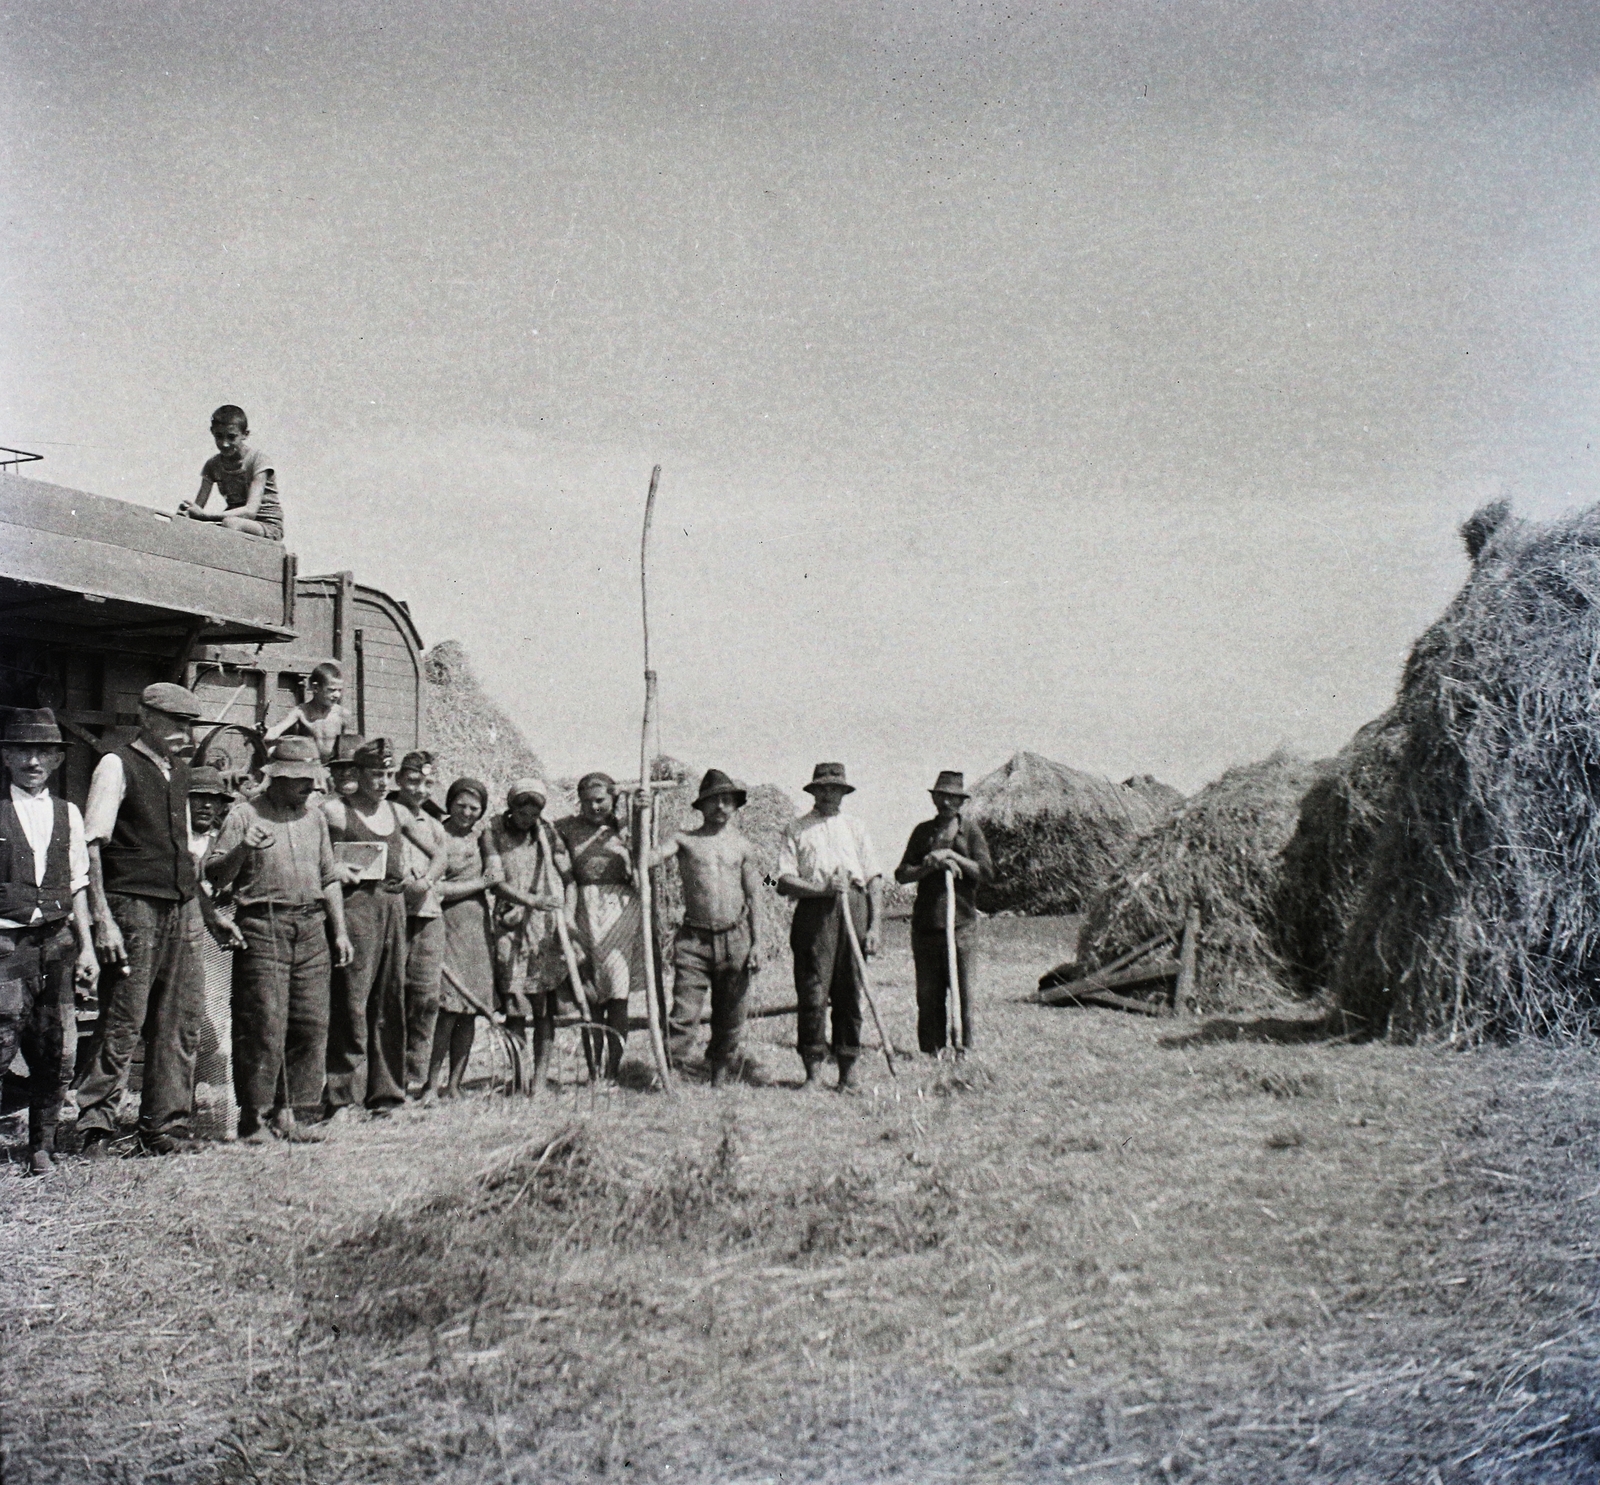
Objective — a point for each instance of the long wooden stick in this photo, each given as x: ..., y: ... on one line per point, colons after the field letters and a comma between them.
x: 508, y: 1043
x: 578, y: 992
x: 642, y: 821
x: 954, y: 1019
x: 866, y: 983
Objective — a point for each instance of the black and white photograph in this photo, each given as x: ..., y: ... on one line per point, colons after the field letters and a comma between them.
x: 808, y: 743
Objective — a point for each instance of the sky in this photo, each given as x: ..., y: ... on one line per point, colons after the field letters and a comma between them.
x: 1105, y: 380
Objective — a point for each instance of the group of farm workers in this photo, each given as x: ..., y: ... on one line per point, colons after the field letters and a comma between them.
x: 370, y: 929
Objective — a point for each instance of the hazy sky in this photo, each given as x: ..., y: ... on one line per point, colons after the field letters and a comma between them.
x: 1105, y: 380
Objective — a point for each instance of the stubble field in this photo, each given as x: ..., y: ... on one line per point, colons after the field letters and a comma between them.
x: 1084, y: 1255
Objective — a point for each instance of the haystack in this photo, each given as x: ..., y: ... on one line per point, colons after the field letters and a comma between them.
x: 1221, y: 851
x: 467, y: 731
x: 1481, y: 914
x: 1056, y: 833
x: 1328, y: 858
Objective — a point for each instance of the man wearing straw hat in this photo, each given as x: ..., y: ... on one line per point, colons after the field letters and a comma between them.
x: 827, y: 855
x: 46, y: 943
x: 275, y: 852
x: 946, y: 843
x: 141, y: 877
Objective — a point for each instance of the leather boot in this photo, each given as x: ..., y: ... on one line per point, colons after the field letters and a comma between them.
x: 617, y: 1020
x: 847, y: 1075
x: 813, y: 1080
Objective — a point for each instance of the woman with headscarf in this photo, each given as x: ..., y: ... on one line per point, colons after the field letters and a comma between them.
x: 608, y: 922
x: 468, y: 961
x: 528, y: 869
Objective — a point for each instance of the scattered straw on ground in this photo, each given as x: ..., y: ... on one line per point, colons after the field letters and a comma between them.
x: 1099, y: 1259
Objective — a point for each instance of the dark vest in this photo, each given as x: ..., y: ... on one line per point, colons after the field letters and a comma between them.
x: 148, y: 853
x: 18, y: 894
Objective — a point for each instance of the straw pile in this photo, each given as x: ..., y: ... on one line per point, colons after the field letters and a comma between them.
x: 1326, y: 863
x: 1481, y: 915
x: 1056, y: 833
x: 1221, y: 851
x: 468, y: 733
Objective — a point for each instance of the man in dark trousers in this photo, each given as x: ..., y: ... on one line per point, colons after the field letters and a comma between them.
x: 141, y: 874
x: 275, y: 853
x: 827, y: 856
x: 45, y: 939
x: 945, y: 843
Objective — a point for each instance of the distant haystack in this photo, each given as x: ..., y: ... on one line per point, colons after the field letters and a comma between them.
x: 1328, y: 858
x: 1057, y: 833
x: 1481, y: 914
x: 1220, y: 851
x: 467, y: 731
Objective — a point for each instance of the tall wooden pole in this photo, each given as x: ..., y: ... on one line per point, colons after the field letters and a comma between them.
x: 645, y: 815
x: 954, y: 1020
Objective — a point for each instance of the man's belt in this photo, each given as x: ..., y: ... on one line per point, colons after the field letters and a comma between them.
x: 707, y: 930
x: 280, y: 909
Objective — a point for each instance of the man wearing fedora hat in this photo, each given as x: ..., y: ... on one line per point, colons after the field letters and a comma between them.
x: 141, y: 876
x: 275, y: 853
x: 45, y: 937
x: 827, y: 856
x: 945, y: 843
x: 716, y: 946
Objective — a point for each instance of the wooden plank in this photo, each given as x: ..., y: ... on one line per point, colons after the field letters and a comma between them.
x: 150, y: 579
x: 1127, y: 979
x: 1112, y: 1001
x: 58, y: 511
x: 1060, y: 976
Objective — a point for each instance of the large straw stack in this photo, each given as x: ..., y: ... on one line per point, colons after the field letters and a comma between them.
x: 1481, y: 914
x: 469, y: 733
x: 1057, y: 833
x: 1221, y: 852
x: 1327, y: 861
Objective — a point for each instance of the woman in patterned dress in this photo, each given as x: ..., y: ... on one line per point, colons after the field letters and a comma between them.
x: 468, y: 959
x: 528, y: 869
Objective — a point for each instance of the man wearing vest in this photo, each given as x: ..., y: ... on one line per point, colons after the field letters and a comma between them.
x: 45, y: 941
x: 141, y: 875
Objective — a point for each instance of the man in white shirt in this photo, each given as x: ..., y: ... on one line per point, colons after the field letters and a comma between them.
x: 828, y: 866
x: 142, y: 878
x: 45, y: 939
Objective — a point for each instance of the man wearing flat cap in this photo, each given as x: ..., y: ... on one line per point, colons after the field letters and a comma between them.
x: 367, y: 1019
x: 828, y: 866
x: 948, y: 842
x: 275, y: 853
x: 45, y: 938
x: 141, y: 875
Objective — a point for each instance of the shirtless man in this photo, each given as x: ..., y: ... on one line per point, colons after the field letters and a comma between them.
x: 716, y: 946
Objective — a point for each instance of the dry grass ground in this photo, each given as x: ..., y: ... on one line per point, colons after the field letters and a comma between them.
x: 1090, y: 1257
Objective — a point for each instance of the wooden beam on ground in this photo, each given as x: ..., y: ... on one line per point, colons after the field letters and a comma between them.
x: 1061, y: 975
x: 1100, y: 982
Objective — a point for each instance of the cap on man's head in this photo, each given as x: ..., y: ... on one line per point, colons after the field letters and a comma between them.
x: 30, y: 725
x: 420, y: 761
x: 528, y: 788
x: 829, y: 775
x: 951, y: 782
x: 374, y: 753
x: 717, y: 782
x: 174, y: 701
x: 345, y: 747
x: 206, y: 780
x: 294, y: 758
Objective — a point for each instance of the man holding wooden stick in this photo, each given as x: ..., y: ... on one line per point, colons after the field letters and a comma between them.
x: 943, y: 851
x: 828, y: 866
